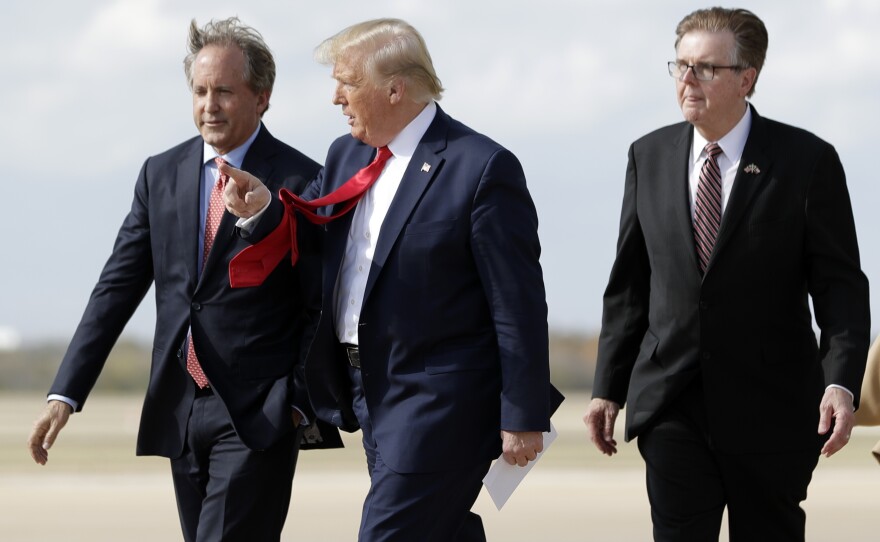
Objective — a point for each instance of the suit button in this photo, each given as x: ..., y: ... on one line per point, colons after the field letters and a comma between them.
x: 706, y: 356
x: 196, y: 306
x: 179, y: 353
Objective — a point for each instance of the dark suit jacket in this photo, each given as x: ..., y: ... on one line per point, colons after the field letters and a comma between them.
x: 745, y: 328
x: 453, y: 328
x: 247, y: 340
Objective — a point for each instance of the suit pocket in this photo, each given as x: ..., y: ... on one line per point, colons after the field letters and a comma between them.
x: 648, y: 348
x: 794, y: 351
x: 416, y: 228
x: 460, y: 360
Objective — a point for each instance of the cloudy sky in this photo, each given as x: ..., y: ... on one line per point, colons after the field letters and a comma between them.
x: 93, y: 87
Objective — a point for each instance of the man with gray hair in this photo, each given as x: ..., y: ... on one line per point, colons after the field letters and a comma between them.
x: 732, y: 224
x: 433, y: 334
x: 222, y: 384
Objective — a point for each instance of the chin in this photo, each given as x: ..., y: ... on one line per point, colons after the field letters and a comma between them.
x: 691, y: 116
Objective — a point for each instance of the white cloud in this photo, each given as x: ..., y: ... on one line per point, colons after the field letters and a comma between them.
x: 120, y: 34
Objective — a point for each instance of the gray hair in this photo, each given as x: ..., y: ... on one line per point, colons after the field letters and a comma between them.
x: 749, y: 34
x: 388, y: 48
x: 259, y: 65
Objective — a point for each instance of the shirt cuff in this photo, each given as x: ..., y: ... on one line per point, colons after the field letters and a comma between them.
x: 851, y: 394
x: 247, y: 225
x: 304, y: 421
x: 55, y: 397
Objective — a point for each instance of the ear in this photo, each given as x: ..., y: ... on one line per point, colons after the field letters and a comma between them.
x: 747, y: 80
x: 263, y: 101
x: 396, y: 90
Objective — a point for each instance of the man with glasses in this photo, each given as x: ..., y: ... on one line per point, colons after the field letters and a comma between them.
x: 731, y: 224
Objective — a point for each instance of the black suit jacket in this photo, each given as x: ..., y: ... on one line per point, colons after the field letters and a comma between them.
x: 247, y: 340
x: 453, y: 327
x: 745, y: 328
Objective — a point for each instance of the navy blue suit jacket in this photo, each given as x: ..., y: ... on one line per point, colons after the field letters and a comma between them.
x: 247, y: 340
x: 453, y: 328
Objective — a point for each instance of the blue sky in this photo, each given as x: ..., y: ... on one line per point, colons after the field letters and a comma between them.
x: 94, y: 87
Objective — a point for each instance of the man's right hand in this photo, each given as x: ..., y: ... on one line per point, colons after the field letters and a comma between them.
x: 599, y: 419
x: 244, y: 195
x: 46, y: 429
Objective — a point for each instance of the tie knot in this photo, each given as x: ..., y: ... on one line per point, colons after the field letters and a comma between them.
x: 713, y: 150
x: 383, y: 154
x: 221, y: 178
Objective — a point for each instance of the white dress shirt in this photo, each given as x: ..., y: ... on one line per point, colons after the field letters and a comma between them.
x: 366, y: 225
x: 732, y: 145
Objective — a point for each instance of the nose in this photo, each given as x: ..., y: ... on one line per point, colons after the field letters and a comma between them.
x: 338, y: 97
x: 211, y: 102
x: 688, y: 76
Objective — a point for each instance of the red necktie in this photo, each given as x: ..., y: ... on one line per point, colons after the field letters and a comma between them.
x: 707, y: 207
x: 216, y: 207
x: 251, y: 266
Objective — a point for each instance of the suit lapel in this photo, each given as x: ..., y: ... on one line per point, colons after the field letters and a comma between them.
x: 188, y: 176
x: 681, y: 198
x: 745, y: 184
x: 416, y: 179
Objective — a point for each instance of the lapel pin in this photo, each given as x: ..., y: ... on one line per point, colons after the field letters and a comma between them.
x: 752, y: 168
x: 426, y: 167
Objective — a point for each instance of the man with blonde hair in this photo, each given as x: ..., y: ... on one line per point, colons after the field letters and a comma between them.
x: 731, y: 224
x: 433, y: 336
x: 222, y: 384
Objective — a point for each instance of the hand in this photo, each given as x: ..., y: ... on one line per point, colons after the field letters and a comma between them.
x: 836, y: 404
x: 520, y: 447
x: 599, y: 419
x: 46, y: 429
x: 244, y: 195
x: 297, y: 418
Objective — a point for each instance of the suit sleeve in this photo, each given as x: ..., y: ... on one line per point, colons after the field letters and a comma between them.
x: 506, y: 249
x: 837, y: 285
x: 626, y: 299
x: 124, y: 282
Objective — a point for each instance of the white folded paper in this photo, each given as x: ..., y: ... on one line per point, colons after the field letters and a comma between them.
x: 503, y: 478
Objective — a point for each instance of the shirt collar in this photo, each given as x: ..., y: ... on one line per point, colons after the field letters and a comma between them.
x: 235, y: 157
x: 732, y: 144
x: 404, y: 144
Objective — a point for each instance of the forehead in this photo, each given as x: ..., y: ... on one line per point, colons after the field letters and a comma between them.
x: 218, y: 62
x: 349, y: 64
x: 701, y: 45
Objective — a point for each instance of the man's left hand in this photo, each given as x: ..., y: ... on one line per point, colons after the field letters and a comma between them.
x: 520, y: 447
x: 836, y: 404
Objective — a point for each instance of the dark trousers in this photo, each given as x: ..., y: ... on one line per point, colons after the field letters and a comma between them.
x: 690, y: 482
x: 226, y: 491
x: 404, y: 507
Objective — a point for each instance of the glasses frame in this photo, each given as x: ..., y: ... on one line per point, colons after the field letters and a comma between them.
x: 673, y: 64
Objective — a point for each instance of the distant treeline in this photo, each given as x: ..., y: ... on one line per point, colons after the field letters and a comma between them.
x: 572, y: 359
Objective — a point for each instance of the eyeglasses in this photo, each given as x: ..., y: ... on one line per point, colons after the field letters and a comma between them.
x: 703, y: 72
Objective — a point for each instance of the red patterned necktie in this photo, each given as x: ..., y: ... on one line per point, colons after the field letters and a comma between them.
x: 707, y: 207
x: 216, y: 208
x: 251, y: 266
